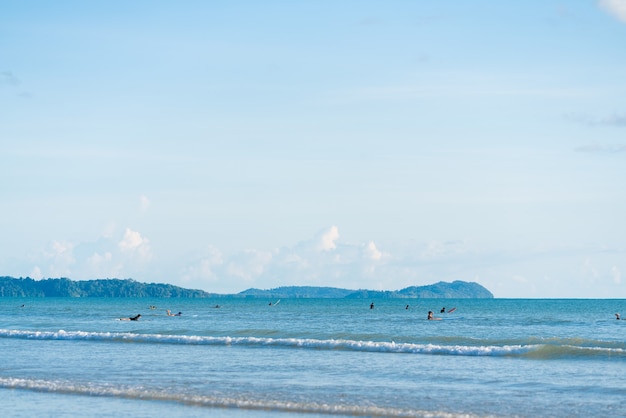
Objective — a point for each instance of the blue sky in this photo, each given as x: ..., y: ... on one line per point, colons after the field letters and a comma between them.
x: 359, y: 144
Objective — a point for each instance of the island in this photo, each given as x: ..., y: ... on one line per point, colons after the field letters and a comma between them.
x: 113, y: 288
x: 121, y: 288
x: 457, y: 289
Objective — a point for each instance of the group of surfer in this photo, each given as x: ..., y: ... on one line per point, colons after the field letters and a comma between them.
x: 136, y: 317
x: 431, y: 315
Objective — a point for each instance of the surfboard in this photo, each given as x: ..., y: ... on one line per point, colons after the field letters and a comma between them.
x: 451, y: 310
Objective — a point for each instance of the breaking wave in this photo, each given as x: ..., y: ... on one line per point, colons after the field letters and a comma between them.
x: 217, y: 401
x: 532, y: 349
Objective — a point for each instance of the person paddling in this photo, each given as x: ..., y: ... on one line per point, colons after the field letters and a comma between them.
x: 431, y: 317
x: 132, y: 318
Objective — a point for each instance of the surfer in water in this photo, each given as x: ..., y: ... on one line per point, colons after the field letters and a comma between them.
x: 372, y: 305
x: 617, y: 316
x: 431, y: 317
x: 131, y: 318
x: 169, y: 313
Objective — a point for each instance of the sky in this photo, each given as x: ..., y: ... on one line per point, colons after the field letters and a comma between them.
x: 224, y: 145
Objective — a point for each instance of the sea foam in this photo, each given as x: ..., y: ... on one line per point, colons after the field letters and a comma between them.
x: 530, y: 350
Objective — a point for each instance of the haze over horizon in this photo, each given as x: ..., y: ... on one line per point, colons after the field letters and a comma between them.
x: 377, y: 145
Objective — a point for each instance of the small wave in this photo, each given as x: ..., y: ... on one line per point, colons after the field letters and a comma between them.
x: 534, y: 350
x: 142, y: 394
x: 552, y: 351
x: 332, y: 344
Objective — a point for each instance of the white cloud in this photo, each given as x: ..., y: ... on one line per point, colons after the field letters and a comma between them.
x: 206, y: 269
x: 36, y: 273
x: 371, y: 252
x: 249, y: 264
x: 295, y: 262
x: 102, y: 265
x: 616, y: 8
x: 132, y: 240
x: 61, y: 250
x: 135, y: 245
x: 326, y: 241
x: 90, y: 260
x: 325, y: 260
x: 59, y: 257
x: 97, y: 259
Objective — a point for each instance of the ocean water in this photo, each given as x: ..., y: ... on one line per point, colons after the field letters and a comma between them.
x: 66, y: 357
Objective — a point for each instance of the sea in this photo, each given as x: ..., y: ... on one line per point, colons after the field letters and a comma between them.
x: 235, y: 357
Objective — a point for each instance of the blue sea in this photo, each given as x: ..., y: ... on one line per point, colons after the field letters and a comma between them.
x: 67, y: 357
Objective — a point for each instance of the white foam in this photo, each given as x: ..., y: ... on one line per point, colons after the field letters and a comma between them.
x: 331, y: 344
x: 65, y: 387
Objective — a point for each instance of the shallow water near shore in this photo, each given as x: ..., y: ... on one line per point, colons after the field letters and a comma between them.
x: 312, y: 357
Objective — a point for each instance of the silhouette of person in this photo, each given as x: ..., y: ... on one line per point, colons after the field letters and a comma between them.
x: 132, y: 318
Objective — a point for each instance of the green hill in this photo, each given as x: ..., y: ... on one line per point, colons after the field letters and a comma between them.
x: 456, y: 289
x: 117, y: 288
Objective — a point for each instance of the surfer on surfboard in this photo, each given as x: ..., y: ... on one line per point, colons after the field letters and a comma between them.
x: 431, y: 317
x: 132, y: 318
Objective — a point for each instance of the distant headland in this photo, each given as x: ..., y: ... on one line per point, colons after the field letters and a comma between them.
x: 118, y: 288
x: 457, y: 289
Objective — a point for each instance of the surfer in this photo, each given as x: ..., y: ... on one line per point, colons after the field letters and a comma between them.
x: 617, y: 316
x: 443, y: 310
x: 169, y: 313
x: 132, y: 318
x: 406, y: 307
x: 372, y: 305
x: 431, y: 317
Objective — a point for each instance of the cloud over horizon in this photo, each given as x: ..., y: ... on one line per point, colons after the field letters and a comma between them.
x: 326, y: 260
